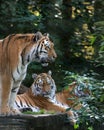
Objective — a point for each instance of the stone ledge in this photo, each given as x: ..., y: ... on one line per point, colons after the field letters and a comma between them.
x: 34, y: 122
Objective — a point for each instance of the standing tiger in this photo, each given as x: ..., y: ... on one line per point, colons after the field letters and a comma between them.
x: 16, y: 52
x: 42, y: 95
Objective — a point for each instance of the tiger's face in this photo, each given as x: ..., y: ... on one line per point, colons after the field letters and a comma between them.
x: 45, y: 52
x: 43, y: 85
x: 40, y: 49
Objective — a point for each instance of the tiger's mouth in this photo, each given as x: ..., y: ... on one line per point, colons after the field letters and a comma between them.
x: 46, y: 94
x: 44, y: 64
x: 45, y: 61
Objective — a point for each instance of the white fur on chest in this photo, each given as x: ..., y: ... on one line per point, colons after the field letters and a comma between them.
x: 20, y: 71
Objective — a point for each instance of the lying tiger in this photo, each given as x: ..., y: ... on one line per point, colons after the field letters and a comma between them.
x: 71, y: 95
x: 41, y: 95
x: 17, y: 51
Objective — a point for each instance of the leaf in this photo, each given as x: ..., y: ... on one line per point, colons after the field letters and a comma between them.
x: 90, y: 128
x: 76, y: 126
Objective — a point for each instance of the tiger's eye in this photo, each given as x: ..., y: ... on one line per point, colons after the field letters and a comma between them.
x: 46, y: 40
x: 40, y: 81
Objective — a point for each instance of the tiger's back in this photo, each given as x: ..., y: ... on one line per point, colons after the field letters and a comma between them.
x: 24, y: 102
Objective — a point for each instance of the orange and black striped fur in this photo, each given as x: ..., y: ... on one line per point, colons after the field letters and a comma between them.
x: 16, y: 52
x: 41, y: 95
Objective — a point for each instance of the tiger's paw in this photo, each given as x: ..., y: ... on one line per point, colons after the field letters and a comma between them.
x: 10, y: 111
x: 5, y: 110
x: 14, y: 111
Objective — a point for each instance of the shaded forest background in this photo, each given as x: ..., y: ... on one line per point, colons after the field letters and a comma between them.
x: 77, y: 29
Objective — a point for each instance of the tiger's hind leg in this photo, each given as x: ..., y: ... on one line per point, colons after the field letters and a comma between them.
x: 5, y: 86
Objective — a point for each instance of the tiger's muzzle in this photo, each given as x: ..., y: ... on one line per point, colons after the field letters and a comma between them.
x: 45, y: 61
x: 46, y: 94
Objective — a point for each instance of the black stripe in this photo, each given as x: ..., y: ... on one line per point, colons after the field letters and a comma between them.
x: 43, y: 52
x: 33, y: 51
x: 17, y: 104
x: 9, y: 38
x: 41, y: 48
x: 23, y: 60
x: 13, y: 78
x: 37, y: 50
x: 21, y: 37
x: 21, y: 103
x: 28, y: 59
x: 14, y: 90
x: 18, y: 70
x: 48, y: 47
x: 26, y: 102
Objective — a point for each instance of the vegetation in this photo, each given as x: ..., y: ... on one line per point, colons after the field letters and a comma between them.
x: 77, y: 29
x: 92, y: 112
x: 42, y: 111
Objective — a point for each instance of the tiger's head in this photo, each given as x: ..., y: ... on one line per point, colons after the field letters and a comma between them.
x: 39, y: 49
x: 43, y: 85
x: 78, y: 90
x: 45, y: 52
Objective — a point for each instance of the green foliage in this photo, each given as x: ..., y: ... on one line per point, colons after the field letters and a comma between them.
x: 92, y: 112
x: 16, y: 17
x: 76, y: 126
x: 34, y: 113
x: 41, y: 111
x: 99, y: 34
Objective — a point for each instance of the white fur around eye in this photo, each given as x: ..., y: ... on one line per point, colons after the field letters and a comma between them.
x: 40, y: 81
x: 47, y: 43
x: 48, y: 81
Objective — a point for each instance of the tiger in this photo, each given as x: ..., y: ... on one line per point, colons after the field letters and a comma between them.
x: 17, y: 51
x: 42, y: 95
x: 71, y: 94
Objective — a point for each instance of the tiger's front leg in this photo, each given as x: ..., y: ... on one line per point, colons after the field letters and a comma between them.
x: 13, y: 94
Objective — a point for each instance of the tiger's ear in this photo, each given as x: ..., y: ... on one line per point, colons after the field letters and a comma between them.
x: 34, y: 76
x: 50, y: 72
x: 37, y: 36
x: 46, y: 34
